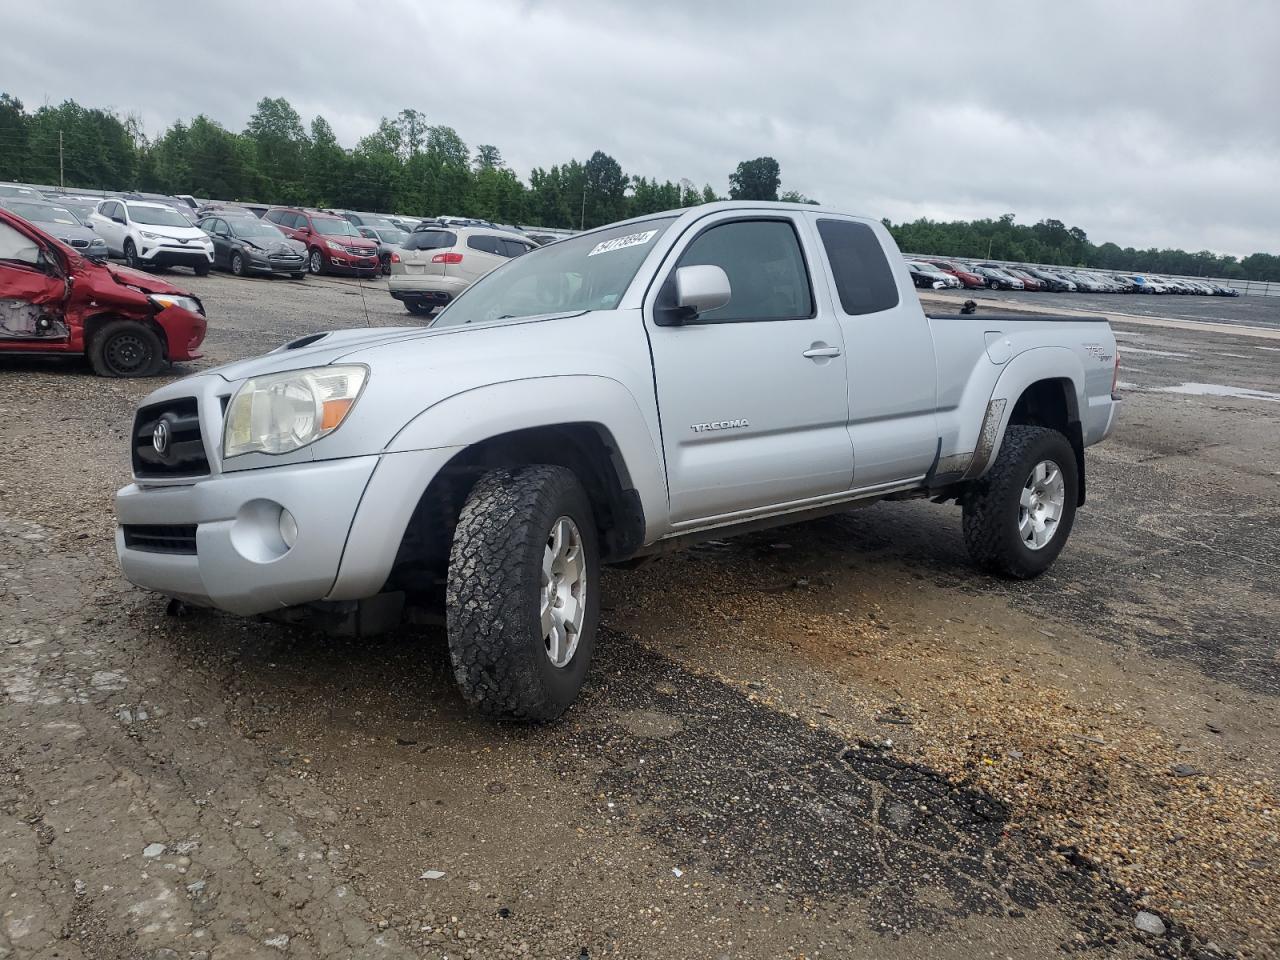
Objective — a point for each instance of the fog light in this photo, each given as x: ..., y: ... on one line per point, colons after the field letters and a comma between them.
x: 288, y: 528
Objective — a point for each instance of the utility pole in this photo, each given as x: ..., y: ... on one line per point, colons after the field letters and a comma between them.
x: 61, y: 182
x: 582, y: 218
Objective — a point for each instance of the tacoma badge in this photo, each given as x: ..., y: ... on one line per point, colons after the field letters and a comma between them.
x: 719, y: 425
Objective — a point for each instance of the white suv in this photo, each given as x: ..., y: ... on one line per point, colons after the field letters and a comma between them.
x: 438, y: 263
x: 152, y: 235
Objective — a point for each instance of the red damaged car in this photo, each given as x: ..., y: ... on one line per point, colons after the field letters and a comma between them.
x: 55, y: 301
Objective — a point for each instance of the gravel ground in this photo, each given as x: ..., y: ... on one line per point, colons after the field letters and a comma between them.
x: 829, y: 740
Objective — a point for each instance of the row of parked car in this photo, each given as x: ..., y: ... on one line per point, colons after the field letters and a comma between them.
x: 954, y: 274
x: 151, y: 231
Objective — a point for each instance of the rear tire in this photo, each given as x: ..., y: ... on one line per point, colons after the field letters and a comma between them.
x: 299, y: 276
x: 126, y: 348
x: 418, y: 308
x: 523, y: 592
x: 1018, y: 517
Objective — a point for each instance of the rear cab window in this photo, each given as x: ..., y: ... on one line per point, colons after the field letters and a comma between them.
x: 864, y: 281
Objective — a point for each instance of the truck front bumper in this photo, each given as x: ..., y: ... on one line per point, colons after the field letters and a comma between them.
x: 238, y: 559
x: 218, y: 542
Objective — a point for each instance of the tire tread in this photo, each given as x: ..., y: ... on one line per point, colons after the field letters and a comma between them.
x: 986, y: 524
x: 487, y: 591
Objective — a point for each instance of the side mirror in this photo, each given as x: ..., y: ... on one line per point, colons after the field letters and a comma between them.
x: 119, y: 220
x: 695, y: 290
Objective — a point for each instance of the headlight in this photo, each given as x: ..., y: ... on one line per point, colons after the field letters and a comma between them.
x: 149, y: 236
x: 333, y: 246
x: 162, y: 300
x: 283, y: 412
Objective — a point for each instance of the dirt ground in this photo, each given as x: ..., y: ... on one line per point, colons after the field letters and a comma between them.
x: 828, y: 740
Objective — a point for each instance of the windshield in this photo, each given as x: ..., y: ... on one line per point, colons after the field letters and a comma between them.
x: 157, y: 216
x: 253, y: 227
x: 588, y: 272
x: 335, y: 228
x: 40, y: 213
x: 7, y: 190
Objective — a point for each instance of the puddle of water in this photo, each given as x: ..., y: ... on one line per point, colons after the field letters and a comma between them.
x: 1221, y: 390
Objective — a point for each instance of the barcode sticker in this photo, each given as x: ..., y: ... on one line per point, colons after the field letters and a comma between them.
x: 621, y: 243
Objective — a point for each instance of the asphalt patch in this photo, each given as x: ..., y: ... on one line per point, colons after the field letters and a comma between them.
x: 785, y: 809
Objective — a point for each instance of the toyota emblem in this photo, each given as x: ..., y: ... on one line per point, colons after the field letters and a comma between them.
x: 160, y: 437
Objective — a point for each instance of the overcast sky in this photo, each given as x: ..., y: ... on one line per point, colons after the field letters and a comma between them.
x: 1146, y: 123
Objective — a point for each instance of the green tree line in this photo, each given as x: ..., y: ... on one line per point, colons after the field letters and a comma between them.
x: 408, y: 165
x: 1052, y: 242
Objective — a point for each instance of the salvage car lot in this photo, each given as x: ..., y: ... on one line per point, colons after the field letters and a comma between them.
x: 1247, y: 311
x: 1064, y: 753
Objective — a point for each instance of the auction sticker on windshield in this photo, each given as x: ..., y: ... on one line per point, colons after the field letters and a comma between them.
x: 621, y: 243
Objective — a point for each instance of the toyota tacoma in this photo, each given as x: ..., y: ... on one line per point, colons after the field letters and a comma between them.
x: 617, y: 394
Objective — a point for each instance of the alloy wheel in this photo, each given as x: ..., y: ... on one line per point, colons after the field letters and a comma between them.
x: 1041, y: 505
x: 564, y: 591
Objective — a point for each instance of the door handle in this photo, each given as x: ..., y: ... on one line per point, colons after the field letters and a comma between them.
x: 820, y: 351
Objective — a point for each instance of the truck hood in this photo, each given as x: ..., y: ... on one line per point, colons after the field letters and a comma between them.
x: 376, y: 345
x: 314, y: 350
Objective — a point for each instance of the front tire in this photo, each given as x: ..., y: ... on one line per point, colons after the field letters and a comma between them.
x: 131, y: 255
x: 523, y: 592
x: 316, y: 262
x: 1018, y: 517
x: 126, y: 348
x: 201, y: 269
x: 237, y: 264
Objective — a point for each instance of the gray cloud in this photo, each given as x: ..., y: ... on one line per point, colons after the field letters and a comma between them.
x: 1147, y: 123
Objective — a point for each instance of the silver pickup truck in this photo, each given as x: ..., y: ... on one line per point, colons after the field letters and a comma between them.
x: 686, y: 375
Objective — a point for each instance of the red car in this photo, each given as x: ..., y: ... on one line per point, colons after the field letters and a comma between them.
x: 54, y: 301
x: 334, y: 245
x: 971, y: 281
x: 1028, y: 281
